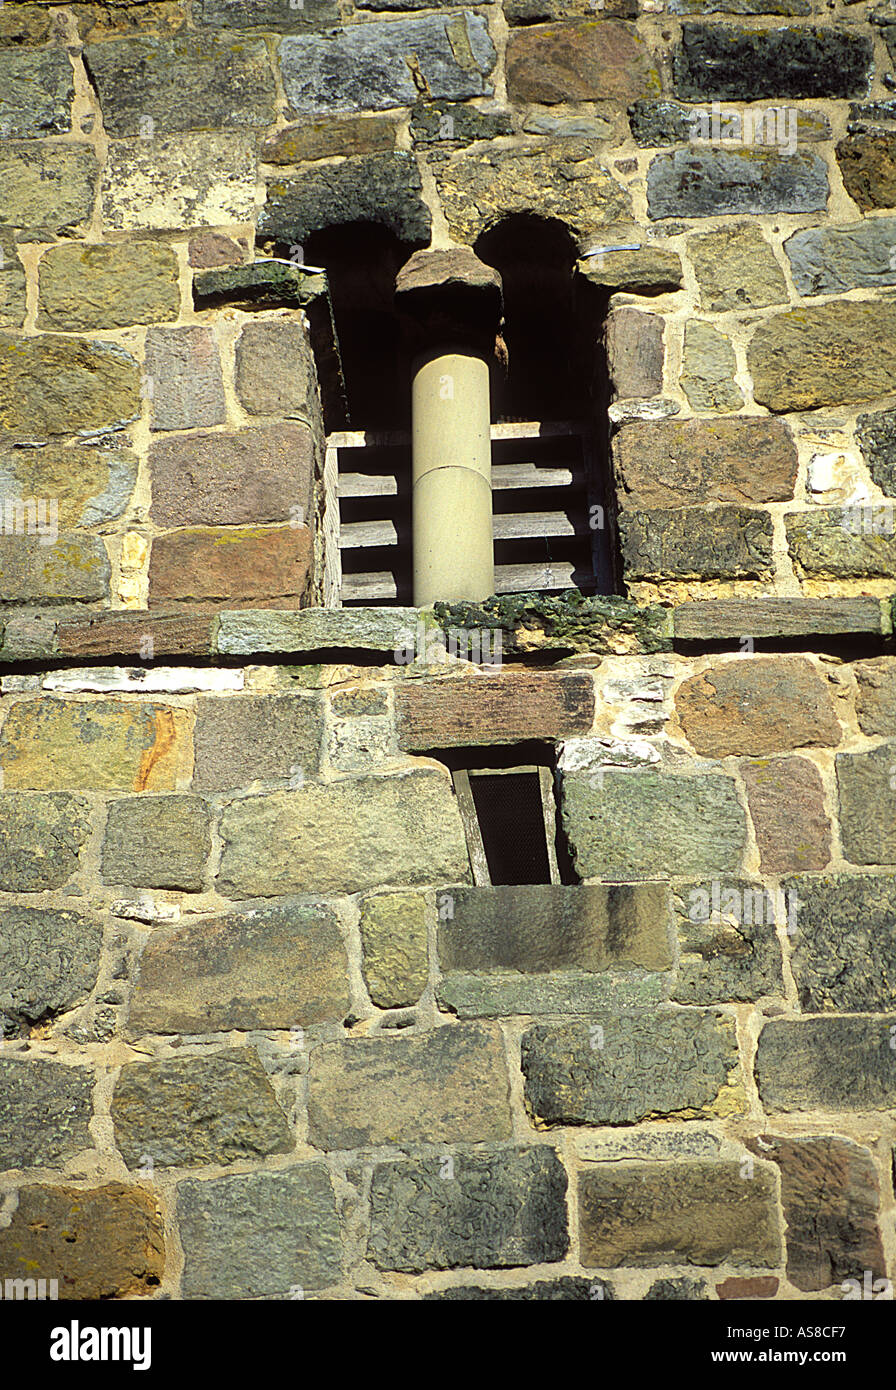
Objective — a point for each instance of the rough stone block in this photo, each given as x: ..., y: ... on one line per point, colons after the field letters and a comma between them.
x: 540, y: 928
x: 705, y: 1212
x: 866, y: 784
x: 45, y: 1109
x: 447, y: 1086
x: 52, y: 385
x: 579, y: 60
x: 89, y: 486
x: 100, y: 1243
x: 74, y: 568
x: 734, y: 64
x: 41, y: 839
x: 827, y: 354
x: 757, y: 705
x: 847, y: 542
x: 736, y: 268
x: 268, y: 14
x: 786, y: 801
x: 126, y: 634
x: 707, y: 183
x: 717, y: 619
x: 511, y: 994
x: 843, y: 1063
x: 316, y: 629
x: 184, y: 368
x: 275, y: 372
x: 266, y: 967
x: 331, y: 135
x: 95, y: 744
x: 254, y: 475
x: 876, y: 696
x: 231, y: 566
x: 649, y: 270
x: 261, y: 738
x: 192, y: 1110
x: 381, y: 188
x: 86, y: 287
x: 692, y: 543
x: 845, y: 947
x: 563, y: 179
x: 47, y: 188
x: 25, y: 24
x: 344, y: 837
x: 209, y: 249
x: 190, y: 82
x: 566, y: 1290
x: 446, y: 120
x: 393, y: 939
x: 832, y: 260
x: 387, y: 63
x: 675, y: 463
x: 49, y: 961
x: 502, y: 1207
x: 868, y: 166
x: 728, y: 953
x: 635, y: 352
x: 157, y: 842
x: 831, y: 1201
x: 621, y: 1068
x: 505, y: 708
x: 876, y: 435
x: 259, y: 1235
x: 708, y: 368
x: 12, y: 283
x: 647, y: 824
x: 203, y: 179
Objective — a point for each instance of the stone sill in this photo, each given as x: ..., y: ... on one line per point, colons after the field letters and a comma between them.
x: 568, y: 625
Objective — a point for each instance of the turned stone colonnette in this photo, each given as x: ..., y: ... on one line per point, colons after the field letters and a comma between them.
x: 451, y: 303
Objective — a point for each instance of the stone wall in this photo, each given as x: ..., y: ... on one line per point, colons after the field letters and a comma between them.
x: 262, y: 1035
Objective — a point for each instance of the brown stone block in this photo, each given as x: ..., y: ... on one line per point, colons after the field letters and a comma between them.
x: 106, y: 744
x: 505, y: 708
x: 786, y: 803
x: 757, y: 705
x: 831, y: 1200
x: 579, y: 60
x: 261, y: 474
x: 760, y: 1286
x: 266, y: 967
x: 868, y: 166
x: 700, y: 1213
x: 876, y: 700
x: 141, y: 635
x: 100, y: 1243
x: 240, y: 567
x: 679, y: 463
x: 635, y: 352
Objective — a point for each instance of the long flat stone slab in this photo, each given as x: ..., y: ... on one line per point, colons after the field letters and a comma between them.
x: 707, y: 620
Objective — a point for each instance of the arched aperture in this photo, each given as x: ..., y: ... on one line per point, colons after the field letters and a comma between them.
x: 362, y: 260
x: 551, y: 321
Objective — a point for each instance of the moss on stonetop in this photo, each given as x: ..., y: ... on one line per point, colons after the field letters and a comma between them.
x: 268, y: 282
x: 569, y: 622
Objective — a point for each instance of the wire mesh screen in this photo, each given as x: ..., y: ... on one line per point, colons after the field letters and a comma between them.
x: 511, y: 822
